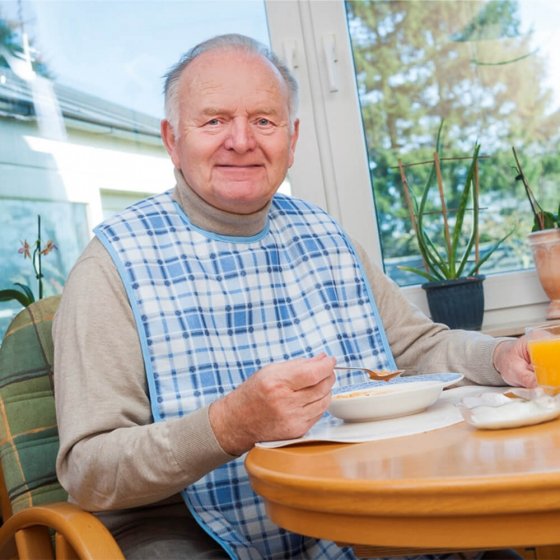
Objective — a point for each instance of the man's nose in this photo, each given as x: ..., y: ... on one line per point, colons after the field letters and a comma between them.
x: 241, y: 137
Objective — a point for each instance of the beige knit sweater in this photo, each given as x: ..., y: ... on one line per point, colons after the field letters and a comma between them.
x: 112, y: 455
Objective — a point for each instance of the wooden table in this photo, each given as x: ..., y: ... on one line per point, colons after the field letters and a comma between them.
x: 449, y: 489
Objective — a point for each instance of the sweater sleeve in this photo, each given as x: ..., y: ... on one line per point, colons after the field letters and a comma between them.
x: 112, y: 455
x: 422, y: 346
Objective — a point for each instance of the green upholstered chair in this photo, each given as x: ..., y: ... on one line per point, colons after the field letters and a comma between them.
x: 37, y: 520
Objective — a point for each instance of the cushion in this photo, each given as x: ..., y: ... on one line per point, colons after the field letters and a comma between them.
x: 28, y: 430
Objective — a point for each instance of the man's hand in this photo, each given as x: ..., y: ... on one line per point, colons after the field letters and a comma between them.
x: 511, y: 359
x: 280, y: 401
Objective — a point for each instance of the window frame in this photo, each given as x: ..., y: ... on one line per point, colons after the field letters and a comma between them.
x: 331, y: 159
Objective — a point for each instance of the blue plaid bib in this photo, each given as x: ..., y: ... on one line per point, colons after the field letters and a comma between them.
x: 213, y: 309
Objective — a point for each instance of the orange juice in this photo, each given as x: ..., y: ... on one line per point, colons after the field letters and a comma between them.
x: 545, y: 357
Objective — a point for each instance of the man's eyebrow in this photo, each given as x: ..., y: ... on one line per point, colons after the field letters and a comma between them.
x: 211, y: 111
x: 218, y: 110
x: 265, y: 111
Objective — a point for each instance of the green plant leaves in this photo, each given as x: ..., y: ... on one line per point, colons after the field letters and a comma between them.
x: 24, y: 295
x: 542, y: 218
x: 452, y: 258
x: 546, y: 220
x: 469, y: 190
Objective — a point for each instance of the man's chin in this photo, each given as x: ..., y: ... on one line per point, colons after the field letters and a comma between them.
x: 243, y: 199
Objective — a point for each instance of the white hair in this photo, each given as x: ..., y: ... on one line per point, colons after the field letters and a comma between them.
x: 230, y: 41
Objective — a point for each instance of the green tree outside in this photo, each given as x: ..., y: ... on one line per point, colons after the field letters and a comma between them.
x: 468, y: 63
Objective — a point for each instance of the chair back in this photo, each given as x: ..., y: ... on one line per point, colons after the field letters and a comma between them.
x: 28, y: 430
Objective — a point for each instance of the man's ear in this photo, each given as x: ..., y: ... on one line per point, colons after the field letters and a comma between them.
x: 293, y: 141
x: 169, y: 141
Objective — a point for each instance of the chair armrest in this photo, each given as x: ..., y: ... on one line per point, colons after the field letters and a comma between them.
x: 75, y: 529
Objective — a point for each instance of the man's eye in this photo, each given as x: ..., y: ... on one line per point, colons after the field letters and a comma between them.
x: 213, y: 122
x: 264, y: 122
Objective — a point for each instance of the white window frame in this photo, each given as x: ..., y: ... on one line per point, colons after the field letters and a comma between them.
x: 331, y: 167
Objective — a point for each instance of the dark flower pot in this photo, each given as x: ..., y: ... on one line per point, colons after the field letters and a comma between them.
x: 457, y: 303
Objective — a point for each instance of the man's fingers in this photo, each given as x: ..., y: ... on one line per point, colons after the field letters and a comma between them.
x: 308, y: 372
x: 317, y: 392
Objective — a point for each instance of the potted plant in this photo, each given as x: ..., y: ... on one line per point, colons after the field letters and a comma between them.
x: 23, y: 293
x: 451, y: 252
x: 545, y: 244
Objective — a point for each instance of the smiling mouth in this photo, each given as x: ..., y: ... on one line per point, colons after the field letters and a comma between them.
x: 239, y: 171
x: 232, y: 166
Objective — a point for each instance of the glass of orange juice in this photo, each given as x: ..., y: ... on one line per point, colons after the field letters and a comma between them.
x: 543, y: 342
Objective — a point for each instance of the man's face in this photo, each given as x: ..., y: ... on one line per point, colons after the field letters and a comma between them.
x: 232, y: 141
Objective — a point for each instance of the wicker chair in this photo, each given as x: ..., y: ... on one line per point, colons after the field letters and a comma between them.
x: 38, y: 522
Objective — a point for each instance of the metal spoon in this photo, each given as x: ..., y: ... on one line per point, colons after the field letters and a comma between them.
x: 376, y: 375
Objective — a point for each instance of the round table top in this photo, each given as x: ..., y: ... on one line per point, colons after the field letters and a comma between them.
x: 455, y: 475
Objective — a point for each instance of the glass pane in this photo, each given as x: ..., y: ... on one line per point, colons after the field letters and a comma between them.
x: 63, y: 223
x: 80, y: 108
x: 491, y: 71
x: 115, y: 201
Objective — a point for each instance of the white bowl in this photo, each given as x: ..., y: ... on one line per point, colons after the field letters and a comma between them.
x: 385, y: 401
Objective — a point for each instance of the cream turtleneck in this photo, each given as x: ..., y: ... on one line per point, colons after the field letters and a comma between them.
x: 210, y: 218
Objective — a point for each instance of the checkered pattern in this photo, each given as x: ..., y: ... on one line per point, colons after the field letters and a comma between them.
x: 28, y: 432
x: 211, y: 310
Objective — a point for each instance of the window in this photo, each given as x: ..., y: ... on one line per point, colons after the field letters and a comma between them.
x: 80, y: 106
x: 85, y: 131
x: 487, y: 68
x: 62, y: 221
x: 339, y: 104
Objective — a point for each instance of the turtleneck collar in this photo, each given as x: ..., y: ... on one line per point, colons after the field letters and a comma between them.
x: 207, y: 217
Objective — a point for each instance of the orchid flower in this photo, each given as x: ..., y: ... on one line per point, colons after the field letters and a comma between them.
x: 23, y: 293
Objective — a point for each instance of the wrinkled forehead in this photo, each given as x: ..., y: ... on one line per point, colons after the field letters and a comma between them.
x: 230, y: 71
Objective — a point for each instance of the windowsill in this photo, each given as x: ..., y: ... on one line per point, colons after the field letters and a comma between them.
x: 512, y: 301
x: 516, y: 328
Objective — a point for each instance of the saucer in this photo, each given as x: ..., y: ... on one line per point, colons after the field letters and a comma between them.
x: 494, y: 411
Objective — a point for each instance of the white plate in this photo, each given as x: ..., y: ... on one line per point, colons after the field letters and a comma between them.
x: 494, y: 411
x: 389, y: 400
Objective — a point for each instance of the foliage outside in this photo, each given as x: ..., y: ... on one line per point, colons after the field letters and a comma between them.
x: 11, y: 47
x: 474, y: 65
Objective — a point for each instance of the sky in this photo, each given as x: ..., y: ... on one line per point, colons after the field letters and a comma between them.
x: 542, y: 17
x: 120, y: 49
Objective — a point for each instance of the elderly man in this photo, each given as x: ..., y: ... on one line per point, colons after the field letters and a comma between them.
x: 208, y: 318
